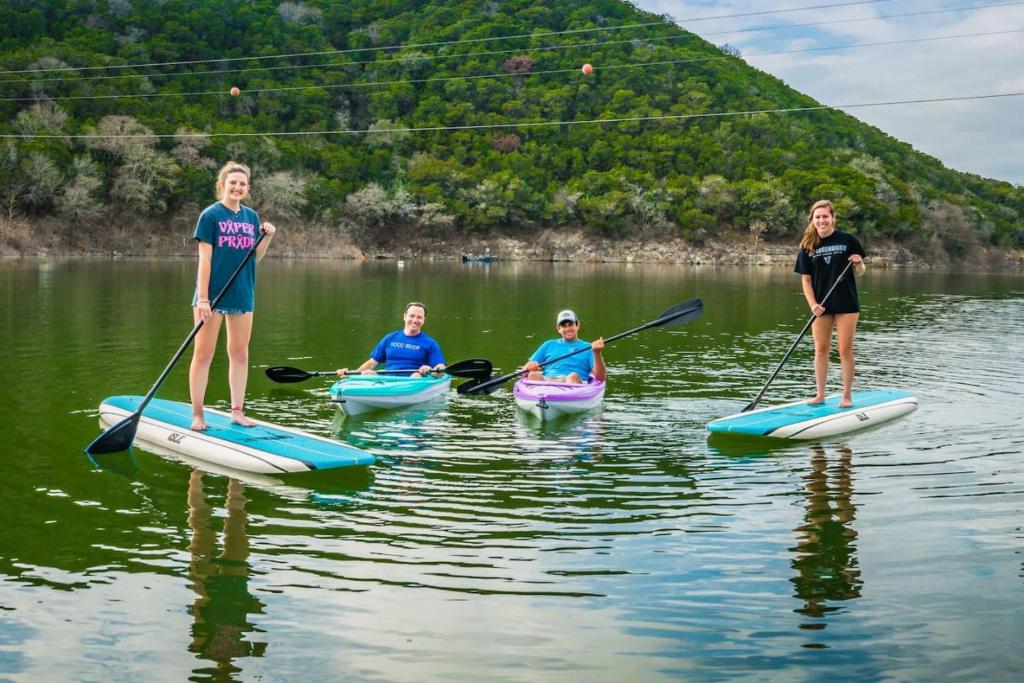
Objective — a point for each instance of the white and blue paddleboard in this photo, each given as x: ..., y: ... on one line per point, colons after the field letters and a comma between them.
x: 802, y: 421
x: 265, y: 448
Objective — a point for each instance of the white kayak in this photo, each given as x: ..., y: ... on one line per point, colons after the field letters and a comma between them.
x: 266, y: 448
x: 549, y: 400
x: 799, y: 420
x: 360, y: 394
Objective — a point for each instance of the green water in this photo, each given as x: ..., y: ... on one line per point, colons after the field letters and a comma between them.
x: 618, y: 544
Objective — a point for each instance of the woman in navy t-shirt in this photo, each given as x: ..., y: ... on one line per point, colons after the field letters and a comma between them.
x: 225, y: 231
x: 824, y: 253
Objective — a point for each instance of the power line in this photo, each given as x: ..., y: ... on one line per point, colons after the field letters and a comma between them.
x: 441, y: 43
x: 492, y: 52
x: 533, y: 124
x: 442, y: 79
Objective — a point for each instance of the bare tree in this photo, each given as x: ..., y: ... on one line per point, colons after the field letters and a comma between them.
x: 280, y: 194
x: 143, y: 178
x: 11, y: 184
x: 189, y: 147
x: 384, y: 133
x: 120, y: 136
x: 297, y: 14
x: 145, y: 173
x: 81, y: 202
x: 757, y: 228
x: 41, y: 87
x: 518, y: 66
x: 41, y: 117
x: 506, y: 142
x: 44, y: 180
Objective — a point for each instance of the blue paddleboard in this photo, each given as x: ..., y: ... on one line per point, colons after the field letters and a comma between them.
x: 799, y: 420
x: 265, y: 448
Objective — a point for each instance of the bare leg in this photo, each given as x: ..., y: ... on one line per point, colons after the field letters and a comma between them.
x: 239, y: 332
x: 846, y: 326
x: 535, y: 376
x: 573, y: 378
x: 821, y: 329
x: 199, y: 371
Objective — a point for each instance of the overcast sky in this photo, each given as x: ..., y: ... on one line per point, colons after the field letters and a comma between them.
x: 983, y: 136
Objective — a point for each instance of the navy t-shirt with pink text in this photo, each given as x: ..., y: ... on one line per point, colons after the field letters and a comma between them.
x: 232, y: 234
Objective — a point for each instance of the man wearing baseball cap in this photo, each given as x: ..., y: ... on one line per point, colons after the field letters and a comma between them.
x: 575, y: 369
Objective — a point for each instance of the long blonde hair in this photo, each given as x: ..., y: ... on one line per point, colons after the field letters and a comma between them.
x: 229, y: 168
x: 811, y: 241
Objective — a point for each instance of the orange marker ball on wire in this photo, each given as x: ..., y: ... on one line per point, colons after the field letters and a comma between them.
x: 235, y: 92
x: 587, y: 69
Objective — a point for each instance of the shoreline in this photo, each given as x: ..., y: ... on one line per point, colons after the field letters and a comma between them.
x: 21, y: 241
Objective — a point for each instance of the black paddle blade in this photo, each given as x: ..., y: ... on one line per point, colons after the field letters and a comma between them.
x: 122, y: 463
x: 284, y: 374
x: 486, y: 385
x: 680, y: 313
x: 117, y: 438
x: 472, y: 368
x: 466, y: 387
x: 480, y: 385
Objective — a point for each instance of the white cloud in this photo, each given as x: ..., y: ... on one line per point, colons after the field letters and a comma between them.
x: 977, y: 136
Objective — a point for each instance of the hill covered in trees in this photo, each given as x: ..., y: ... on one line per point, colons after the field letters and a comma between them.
x: 380, y: 118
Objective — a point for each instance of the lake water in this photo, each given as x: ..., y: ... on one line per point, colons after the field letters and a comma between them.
x: 482, y: 546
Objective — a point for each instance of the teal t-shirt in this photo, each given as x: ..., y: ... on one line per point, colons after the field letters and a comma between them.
x: 232, y: 234
x: 582, y: 363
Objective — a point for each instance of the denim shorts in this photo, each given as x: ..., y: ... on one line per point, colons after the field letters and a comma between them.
x: 226, y: 311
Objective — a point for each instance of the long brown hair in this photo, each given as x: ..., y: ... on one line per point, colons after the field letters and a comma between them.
x: 811, y: 241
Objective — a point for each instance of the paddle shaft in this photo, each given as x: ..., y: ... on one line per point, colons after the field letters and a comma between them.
x: 803, y: 332
x: 334, y: 373
x: 470, y: 368
x: 133, y: 419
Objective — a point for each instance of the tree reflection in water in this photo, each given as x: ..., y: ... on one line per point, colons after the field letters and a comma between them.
x: 826, y: 562
x: 221, y: 584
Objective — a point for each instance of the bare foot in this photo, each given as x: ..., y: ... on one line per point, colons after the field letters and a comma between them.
x: 198, y: 423
x: 239, y: 418
x: 816, y: 401
x: 846, y: 403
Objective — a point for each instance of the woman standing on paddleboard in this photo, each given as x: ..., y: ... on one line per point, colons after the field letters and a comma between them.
x: 822, y: 259
x: 226, y: 231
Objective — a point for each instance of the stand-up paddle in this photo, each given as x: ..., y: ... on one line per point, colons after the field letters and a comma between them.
x: 677, y: 315
x: 760, y: 394
x: 119, y: 437
x: 473, y: 368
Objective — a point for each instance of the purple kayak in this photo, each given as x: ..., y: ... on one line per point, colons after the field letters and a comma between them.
x: 548, y: 400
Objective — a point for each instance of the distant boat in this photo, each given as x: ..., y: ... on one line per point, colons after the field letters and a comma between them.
x: 479, y: 258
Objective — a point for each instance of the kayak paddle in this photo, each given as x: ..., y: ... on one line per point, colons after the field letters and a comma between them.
x: 119, y: 437
x: 677, y: 315
x: 473, y: 368
x: 760, y: 394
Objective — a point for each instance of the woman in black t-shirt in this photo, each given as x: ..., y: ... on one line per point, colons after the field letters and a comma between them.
x: 824, y: 253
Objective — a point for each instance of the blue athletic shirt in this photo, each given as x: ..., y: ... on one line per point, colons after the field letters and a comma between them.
x: 232, y: 234
x: 401, y: 352
x: 582, y: 363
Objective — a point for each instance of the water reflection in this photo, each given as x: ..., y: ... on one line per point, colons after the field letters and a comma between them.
x: 826, y: 563
x: 572, y: 438
x: 223, y: 602
x: 406, y: 430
